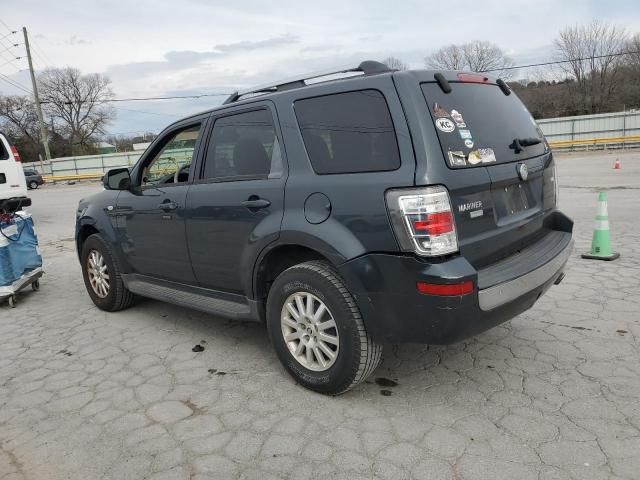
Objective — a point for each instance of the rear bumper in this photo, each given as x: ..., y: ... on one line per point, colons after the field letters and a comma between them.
x: 498, y: 295
x: 384, y: 287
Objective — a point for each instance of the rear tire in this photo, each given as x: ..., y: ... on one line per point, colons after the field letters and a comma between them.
x: 102, y: 276
x: 356, y: 354
x: 33, y: 184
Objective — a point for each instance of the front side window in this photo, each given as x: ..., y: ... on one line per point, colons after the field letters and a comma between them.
x: 244, y: 145
x: 171, y: 164
x: 348, y: 132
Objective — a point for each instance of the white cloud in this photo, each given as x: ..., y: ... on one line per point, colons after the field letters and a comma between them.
x: 152, y: 47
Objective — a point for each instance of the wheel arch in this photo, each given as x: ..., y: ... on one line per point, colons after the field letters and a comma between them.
x: 85, y: 230
x: 275, y: 260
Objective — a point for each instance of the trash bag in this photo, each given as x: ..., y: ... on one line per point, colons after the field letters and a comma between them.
x: 19, y: 251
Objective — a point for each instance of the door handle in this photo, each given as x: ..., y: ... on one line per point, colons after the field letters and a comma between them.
x: 168, y: 206
x: 255, y: 203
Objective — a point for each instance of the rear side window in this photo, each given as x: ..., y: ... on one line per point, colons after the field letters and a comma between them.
x: 478, y: 124
x: 244, y: 145
x: 348, y: 132
x: 4, y: 154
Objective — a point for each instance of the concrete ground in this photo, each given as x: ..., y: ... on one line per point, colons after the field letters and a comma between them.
x: 552, y: 394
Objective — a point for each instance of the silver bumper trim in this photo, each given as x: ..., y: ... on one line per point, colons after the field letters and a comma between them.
x: 506, y: 292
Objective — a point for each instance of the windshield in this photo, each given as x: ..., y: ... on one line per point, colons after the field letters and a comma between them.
x: 478, y: 125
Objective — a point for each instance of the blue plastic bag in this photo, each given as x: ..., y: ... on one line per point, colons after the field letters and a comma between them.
x: 19, y: 252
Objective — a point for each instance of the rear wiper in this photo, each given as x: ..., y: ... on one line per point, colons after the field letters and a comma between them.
x: 520, y: 143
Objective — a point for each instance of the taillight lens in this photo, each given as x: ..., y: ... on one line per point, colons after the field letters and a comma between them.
x: 423, y: 220
x: 445, y: 290
x: 472, y: 78
x: 16, y: 155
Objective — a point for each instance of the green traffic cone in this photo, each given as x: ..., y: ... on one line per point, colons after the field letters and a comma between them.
x: 601, y: 245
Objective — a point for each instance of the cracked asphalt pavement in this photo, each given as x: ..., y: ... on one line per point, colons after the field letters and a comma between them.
x: 552, y: 394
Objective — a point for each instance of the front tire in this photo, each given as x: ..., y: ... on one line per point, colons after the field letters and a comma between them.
x: 33, y: 185
x: 317, y: 331
x: 102, y: 276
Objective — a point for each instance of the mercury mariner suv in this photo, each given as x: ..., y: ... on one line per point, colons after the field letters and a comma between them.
x: 345, y: 209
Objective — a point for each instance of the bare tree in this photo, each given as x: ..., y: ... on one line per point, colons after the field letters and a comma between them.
x: 77, y: 103
x: 591, y: 57
x: 395, y: 63
x: 450, y: 57
x: 477, y: 56
x: 633, y: 47
x: 18, y: 118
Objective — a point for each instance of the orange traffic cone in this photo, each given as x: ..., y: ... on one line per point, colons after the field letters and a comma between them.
x: 616, y: 164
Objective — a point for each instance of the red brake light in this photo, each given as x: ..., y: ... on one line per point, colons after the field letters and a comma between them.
x: 435, y: 223
x: 422, y: 219
x: 16, y: 155
x: 472, y: 78
x: 446, y: 290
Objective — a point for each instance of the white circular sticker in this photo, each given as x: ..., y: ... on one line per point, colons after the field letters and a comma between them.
x: 468, y: 143
x: 445, y: 125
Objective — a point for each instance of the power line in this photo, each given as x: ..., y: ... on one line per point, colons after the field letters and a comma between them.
x: 41, y: 54
x: 40, y: 59
x: 12, y: 60
x: 148, y: 113
x: 15, y: 84
x: 7, y: 34
x: 7, y: 26
x: 555, y: 62
x: 13, y: 45
x: 7, y: 45
x: 144, y: 99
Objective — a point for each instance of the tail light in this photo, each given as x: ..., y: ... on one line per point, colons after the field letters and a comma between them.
x: 446, y: 290
x: 472, y: 78
x: 16, y: 155
x: 423, y: 220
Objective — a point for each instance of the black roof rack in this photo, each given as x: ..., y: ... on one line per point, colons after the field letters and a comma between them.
x: 368, y: 67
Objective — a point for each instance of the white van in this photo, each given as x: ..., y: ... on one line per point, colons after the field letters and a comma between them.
x: 12, y: 182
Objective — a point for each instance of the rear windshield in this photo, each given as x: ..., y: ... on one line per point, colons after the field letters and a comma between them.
x: 479, y: 125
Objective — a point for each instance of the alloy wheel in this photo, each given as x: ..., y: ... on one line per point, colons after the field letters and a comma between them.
x: 310, y: 331
x: 98, y: 273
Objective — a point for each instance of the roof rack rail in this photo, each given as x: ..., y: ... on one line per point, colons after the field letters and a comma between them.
x: 368, y: 67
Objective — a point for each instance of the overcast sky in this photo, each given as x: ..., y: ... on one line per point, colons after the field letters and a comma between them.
x: 153, y: 48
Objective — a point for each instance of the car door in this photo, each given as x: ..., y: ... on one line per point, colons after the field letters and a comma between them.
x: 151, y: 213
x: 236, y: 204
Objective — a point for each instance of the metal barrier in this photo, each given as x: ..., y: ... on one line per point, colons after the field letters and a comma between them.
x: 66, y: 178
x: 615, y: 142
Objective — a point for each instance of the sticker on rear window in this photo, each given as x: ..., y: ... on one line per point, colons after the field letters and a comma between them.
x: 457, y: 159
x: 487, y: 155
x: 457, y: 117
x: 465, y: 134
x: 438, y: 111
x: 474, y: 157
x: 482, y: 155
x: 445, y: 125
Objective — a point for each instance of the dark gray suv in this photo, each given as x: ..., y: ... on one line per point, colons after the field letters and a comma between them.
x: 387, y: 206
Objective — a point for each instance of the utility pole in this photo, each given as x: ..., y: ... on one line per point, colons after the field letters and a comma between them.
x: 43, y: 128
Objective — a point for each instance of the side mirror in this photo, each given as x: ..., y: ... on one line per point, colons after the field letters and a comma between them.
x: 117, y: 179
